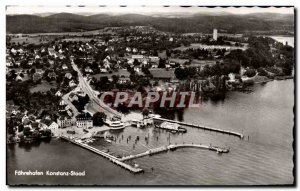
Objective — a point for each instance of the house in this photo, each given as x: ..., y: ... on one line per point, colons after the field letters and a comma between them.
x: 52, y: 52
x: 64, y: 121
x: 106, y: 65
x: 9, y: 63
x: 62, y: 102
x: 154, y: 59
x: 88, y: 70
x: 13, y: 51
x: 134, y: 50
x: 37, y: 57
x: 30, y: 62
x: 52, y: 125
x: 123, y: 80
x: 68, y: 75
x: 64, y: 67
x: 17, y: 63
x: 73, y: 97
x: 61, y: 56
x: 58, y: 93
x: 139, y: 57
x: 39, y: 71
x: 19, y: 78
x: 78, y: 91
x: 67, y: 107
x: 12, y: 109
x: 84, y: 120
x: 72, y: 83
x: 154, y: 65
x: 52, y: 75
x: 51, y: 62
x: 103, y: 70
x: 26, y: 121
x: 24, y: 117
x: 137, y: 69
x: 69, y: 112
x: 128, y: 49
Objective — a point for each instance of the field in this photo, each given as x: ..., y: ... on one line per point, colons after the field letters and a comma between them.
x: 43, y: 87
x: 82, y: 39
x: 29, y: 40
x: 204, y: 46
x: 121, y: 73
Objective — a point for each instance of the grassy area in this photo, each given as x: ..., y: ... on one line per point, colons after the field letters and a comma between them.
x: 195, y: 62
x: 43, y: 87
x: 199, y: 45
x: 78, y: 39
x: 120, y: 73
x: 162, y: 73
x: 28, y: 40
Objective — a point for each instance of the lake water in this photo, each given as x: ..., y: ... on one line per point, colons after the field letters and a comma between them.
x: 265, y: 115
x: 284, y: 39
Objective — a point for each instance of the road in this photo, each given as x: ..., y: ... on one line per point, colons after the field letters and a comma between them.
x: 73, y: 108
x: 93, y: 97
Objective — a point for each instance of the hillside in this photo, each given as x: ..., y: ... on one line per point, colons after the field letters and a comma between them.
x: 67, y: 22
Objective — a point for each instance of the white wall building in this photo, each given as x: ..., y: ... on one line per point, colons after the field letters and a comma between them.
x: 215, y: 34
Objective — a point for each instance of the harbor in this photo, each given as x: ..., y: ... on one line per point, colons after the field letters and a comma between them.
x: 241, y: 136
x: 183, y: 165
x: 172, y: 148
x: 120, y: 161
x: 111, y: 158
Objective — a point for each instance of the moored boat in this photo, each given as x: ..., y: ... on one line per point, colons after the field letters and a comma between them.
x: 173, y: 127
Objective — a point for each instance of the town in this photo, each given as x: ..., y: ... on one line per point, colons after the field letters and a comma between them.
x: 45, y: 72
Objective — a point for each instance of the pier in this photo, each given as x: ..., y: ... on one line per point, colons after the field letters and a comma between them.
x: 111, y: 158
x: 174, y: 147
x: 241, y: 136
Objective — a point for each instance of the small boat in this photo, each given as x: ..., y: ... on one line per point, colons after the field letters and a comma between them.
x: 107, y: 140
x: 182, y: 130
x: 86, y: 131
x: 138, y: 123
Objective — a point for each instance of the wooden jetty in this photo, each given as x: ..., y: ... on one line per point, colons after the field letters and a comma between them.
x: 111, y: 158
x: 241, y: 136
x: 173, y: 147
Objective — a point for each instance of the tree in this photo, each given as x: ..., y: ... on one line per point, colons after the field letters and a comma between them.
x: 115, y: 78
x: 162, y: 63
x: 98, y: 118
x: 250, y: 73
x: 136, y: 62
x: 180, y: 73
x: 145, y: 112
x: 26, y: 131
x: 47, y: 133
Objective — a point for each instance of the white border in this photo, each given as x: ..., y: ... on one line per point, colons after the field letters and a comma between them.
x: 102, y: 2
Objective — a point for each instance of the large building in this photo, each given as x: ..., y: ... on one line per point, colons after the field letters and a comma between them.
x: 215, y: 34
x: 84, y: 120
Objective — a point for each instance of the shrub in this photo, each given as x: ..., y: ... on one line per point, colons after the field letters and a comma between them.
x: 250, y: 73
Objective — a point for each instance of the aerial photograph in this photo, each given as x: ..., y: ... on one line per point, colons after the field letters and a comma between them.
x: 150, y: 96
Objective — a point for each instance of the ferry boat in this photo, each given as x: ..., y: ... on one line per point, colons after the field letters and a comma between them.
x: 173, y: 127
x: 114, y: 123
